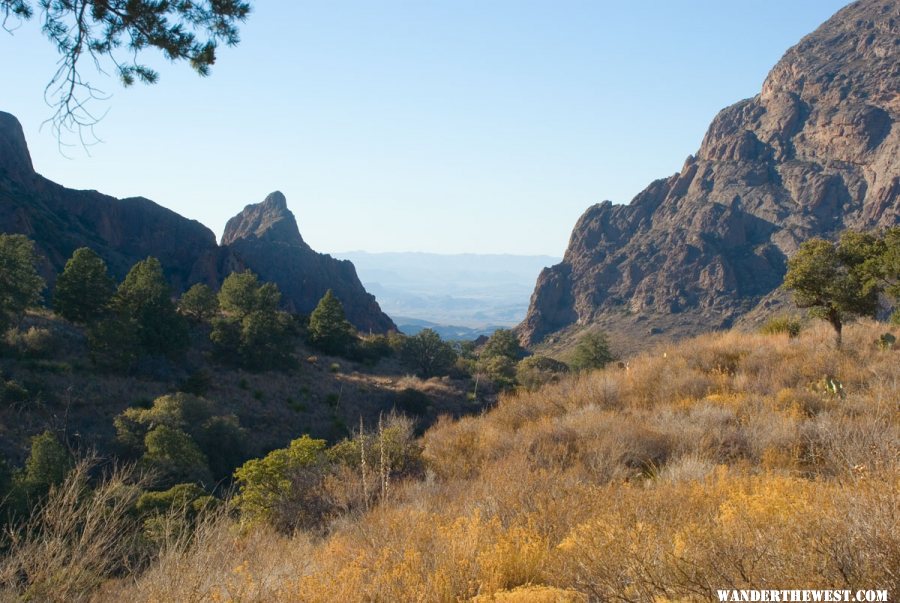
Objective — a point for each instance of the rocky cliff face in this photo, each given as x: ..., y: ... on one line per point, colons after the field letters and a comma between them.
x: 263, y: 237
x: 816, y: 152
x: 122, y: 231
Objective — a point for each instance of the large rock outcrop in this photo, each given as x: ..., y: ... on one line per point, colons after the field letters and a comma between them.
x: 816, y: 152
x: 263, y: 238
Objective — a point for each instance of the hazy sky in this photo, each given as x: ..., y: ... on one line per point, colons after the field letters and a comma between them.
x: 453, y: 126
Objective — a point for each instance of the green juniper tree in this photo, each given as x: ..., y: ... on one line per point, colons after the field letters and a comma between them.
x: 242, y: 294
x: 427, y: 354
x: 84, y: 287
x: 199, y: 303
x: 329, y: 329
x: 591, y: 352
x: 835, y: 281
x: 47, y: 466
x: 20, y: 284
x: 252, y: 332
x: 145, y: 297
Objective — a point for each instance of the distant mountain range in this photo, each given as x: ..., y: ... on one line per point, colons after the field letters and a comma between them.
x: 460, y: 295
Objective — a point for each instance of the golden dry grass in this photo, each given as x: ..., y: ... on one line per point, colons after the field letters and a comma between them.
x: 731, y: 460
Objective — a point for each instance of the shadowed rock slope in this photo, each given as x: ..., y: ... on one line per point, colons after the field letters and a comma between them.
x: 263, y: 237
x: 815, y: 152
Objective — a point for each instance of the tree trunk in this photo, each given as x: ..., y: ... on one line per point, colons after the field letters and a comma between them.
x: 838, y: 327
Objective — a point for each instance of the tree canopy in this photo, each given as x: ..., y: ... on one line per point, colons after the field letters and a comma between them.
x: 242, y: 294
x: 113, y: 34
x: 199, y: 303
x: 145, y: 296
x: 835, y: 281
x: 427, y: 353
x: 20, y: 284
x: 253, y: 332
x: 329, y: 329
x: 503, y: 342
x: 591, y: 352
x: 84, y: 288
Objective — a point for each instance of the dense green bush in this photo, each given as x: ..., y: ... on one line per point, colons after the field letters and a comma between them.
x: 47, y: 465
x: 209, y: 448
x: 115, y: 343
x: 502, y: 342
x: 144, y: 296
x: 12, y: 392
x: 412, y: 402
x: 370, y: 349
x: 427, y: 354
x: 253, y: 333
x: 284, y: 488
x: 591, y: 352
x: 242, y: 293
x: 174, y: 457
x: 841, y: 281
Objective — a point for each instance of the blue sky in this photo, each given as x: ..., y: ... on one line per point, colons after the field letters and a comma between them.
x: 483, y: 126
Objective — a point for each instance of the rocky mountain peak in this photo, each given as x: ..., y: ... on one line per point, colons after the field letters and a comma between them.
x: 269, y: 220
x: 815, y: 153
x: 15, y: 161
x: 275, y: 201
x: 265, y: 239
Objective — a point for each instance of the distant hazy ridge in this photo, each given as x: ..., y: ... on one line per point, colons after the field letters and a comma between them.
x: 470, y: 293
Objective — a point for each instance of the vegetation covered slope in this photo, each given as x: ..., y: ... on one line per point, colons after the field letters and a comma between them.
x: 731, y: 460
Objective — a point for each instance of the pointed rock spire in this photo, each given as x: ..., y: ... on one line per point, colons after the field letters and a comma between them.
x: 270, y: 220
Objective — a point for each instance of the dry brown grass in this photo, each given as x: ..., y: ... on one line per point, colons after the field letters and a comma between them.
x: 76, y: 540
x: 722, y: 462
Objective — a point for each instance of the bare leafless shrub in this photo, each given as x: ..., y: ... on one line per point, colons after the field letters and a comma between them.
x: 77, y: 538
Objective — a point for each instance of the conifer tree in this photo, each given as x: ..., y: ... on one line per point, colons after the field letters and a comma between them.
x: 84, y: 287
x: 145, y: 296
x: 20, y: 284
x: 329, y: 329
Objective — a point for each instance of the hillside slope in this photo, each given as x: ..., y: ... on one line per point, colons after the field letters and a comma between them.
x: 815, y: 152
x: 731, y: 460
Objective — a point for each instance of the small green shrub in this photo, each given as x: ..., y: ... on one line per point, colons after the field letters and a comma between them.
x: 887, y: 341
x: 536, y: 371
x: 592, y: 352
x: 782, y: 324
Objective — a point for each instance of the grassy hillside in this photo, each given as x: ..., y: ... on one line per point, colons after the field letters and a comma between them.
x: 731, y: 460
